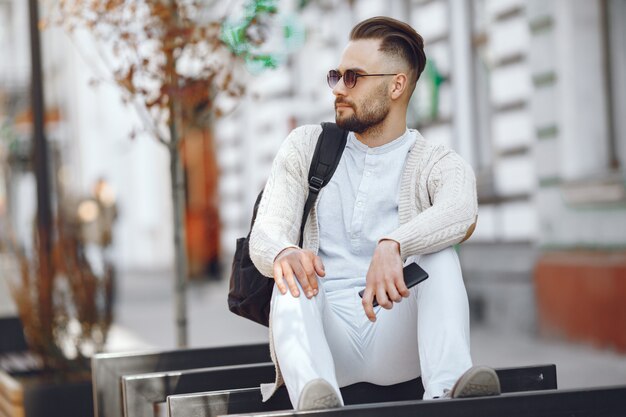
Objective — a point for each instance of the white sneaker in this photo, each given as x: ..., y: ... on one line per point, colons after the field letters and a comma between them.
x: 478, y: 381
x: 318, y: 395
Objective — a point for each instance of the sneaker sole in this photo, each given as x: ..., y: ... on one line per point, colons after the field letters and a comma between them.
x: 477, y: 382
x: 318, y: 395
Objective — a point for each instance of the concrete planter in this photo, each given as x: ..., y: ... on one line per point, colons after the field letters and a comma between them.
x: 35, y: 394
x: 27, y: 391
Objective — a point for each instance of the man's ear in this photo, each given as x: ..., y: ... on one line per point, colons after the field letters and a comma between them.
x: 399, y: 85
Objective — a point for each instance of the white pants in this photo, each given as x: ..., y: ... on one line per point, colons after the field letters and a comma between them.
x: 330, y: 337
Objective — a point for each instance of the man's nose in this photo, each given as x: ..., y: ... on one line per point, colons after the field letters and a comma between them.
x: 340, y: 88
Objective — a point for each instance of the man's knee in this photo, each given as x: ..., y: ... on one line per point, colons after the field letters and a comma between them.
x: 286, y: 305
x: 444, y: 260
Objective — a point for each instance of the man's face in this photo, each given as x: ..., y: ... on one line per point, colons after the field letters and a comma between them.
x: 367, y: 104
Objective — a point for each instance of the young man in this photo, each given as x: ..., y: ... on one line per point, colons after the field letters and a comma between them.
x: 394, y: 199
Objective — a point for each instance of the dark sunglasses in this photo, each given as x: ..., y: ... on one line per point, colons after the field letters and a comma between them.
x: 349, y: 77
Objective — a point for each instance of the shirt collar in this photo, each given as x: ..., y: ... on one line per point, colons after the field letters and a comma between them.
x: 387, y: 147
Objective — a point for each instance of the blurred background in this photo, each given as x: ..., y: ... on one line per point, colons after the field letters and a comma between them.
x: 532, y: 93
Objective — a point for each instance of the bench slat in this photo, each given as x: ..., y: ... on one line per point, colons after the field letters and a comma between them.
x: 605, y: 402
x: 107, y: 369
x: 141, y: 392
x: 540, y: 377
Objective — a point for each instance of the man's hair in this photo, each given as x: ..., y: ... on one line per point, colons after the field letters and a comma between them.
x: 397, y: 38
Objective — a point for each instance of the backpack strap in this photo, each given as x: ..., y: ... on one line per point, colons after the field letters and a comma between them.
x: 328, y: 151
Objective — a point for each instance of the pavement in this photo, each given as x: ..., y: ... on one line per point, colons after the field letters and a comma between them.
x: 144, y: 319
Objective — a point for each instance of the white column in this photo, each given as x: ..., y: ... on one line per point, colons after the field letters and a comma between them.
x: 617, y: 17
x: 460, y: 35
x: 582, y: 118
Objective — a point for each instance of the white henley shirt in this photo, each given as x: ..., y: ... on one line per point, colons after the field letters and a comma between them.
x: 359, y: 206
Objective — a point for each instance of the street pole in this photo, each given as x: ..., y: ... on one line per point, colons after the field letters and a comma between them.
x: 41, y: 168
x: 178, y: 198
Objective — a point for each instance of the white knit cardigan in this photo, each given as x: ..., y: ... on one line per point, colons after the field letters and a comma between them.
x: 437, y: 206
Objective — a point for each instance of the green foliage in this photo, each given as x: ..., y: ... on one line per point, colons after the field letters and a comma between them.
x: 261, y: 37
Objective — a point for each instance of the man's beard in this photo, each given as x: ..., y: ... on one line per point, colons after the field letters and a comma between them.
x: 374, y: 112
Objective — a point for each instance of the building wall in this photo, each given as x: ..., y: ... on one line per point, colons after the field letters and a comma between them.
x: 580, y: 184
x: 501, y: 257
x: 578, y: 106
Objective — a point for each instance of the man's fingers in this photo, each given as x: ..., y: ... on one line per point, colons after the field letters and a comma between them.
x: 278, y: 278
x: 393, y: 294
x: 319, y: 266
x: 309, y: 271
x: 302, y: 277
x: 367, y: 304
x: 401, y: 287
x: 312, y: 281
x: 290, y: 278
x: 295, y: 266
x: 381, y: 297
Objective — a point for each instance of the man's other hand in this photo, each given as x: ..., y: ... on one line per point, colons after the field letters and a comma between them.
x: 385, y: 279
x: 300, y: 264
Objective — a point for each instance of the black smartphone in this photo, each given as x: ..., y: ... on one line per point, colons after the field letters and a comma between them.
x: 413, y: 275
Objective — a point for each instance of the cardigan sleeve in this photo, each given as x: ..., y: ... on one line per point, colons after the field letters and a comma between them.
x: 452, y: 215
x: 277, y: 225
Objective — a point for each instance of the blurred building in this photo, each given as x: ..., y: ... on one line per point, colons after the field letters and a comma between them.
x: 90, y: 140
x: 532, y: 93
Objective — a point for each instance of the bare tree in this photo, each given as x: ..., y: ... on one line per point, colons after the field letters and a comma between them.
x: 174, y: 60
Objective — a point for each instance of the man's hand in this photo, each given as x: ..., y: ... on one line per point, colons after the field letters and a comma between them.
x: 300, y: 264
x: 384, y: 279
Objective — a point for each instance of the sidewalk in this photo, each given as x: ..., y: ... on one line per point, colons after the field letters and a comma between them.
x: 145, y: 307
x: 144, y: 317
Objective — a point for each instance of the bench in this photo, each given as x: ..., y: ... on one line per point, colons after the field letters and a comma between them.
x: 595, y: 402
x: 209, y: 404
x: 108, y: 368
x: 141, y: 392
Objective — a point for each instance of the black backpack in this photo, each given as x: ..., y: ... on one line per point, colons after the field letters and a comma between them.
x: 250, y: 291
